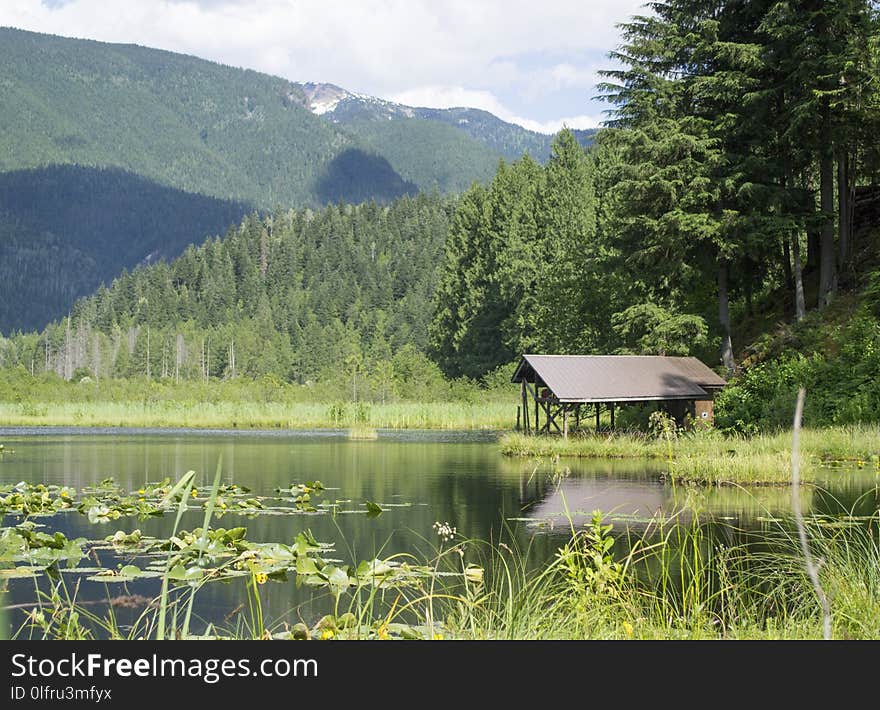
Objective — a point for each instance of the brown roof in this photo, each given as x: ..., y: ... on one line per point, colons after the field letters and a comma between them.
x: 619, y: 378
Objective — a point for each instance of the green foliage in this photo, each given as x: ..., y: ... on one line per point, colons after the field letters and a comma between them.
x: 340, y: 296
x: 522, y: 266
x: 839, y: 372
x: 649, y: 329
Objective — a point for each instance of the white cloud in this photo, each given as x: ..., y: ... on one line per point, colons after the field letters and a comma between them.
x: 382, y: 47
x: 557, y: 124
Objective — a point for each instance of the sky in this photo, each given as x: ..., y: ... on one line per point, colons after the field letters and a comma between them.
x: 533, y: 63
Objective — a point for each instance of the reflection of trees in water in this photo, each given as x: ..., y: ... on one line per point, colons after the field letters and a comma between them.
x: 469, y: 484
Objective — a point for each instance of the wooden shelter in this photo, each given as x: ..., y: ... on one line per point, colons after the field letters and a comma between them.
x: 561, y: 386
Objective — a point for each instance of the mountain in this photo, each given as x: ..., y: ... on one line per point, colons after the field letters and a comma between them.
x: 162, y: 150
x: 183, y: 122
x: 353, y: 110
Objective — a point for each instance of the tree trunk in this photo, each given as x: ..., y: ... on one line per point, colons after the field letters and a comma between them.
x: 827, y: 256
x: 786, y: 263
x: 844, y: 213
x: 814, y: 241
x: 800, y: 309
x: 724, y: 316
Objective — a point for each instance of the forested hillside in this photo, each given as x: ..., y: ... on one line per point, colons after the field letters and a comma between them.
x: 212, y: 129
x: 64, y: 229
x: 729, y: 196
x: 174, y: 129
x: 298, y: 295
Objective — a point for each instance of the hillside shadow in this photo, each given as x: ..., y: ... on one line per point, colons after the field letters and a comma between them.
x: 356, y: 176
x: 65, y: 229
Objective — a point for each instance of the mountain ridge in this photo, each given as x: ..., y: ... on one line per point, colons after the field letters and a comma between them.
x: 180, y: 129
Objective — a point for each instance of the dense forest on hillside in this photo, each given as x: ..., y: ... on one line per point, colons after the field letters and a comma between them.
x: 298, y: 295
x: 64, y: 229
x: 134, y: 125
x: 729, y: 210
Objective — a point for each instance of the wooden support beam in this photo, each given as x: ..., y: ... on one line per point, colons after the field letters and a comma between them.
x: 551, y: 417
x: 612, y: 416
x: 564, y: 421
x: 537, y: 407
x: 597, y: 417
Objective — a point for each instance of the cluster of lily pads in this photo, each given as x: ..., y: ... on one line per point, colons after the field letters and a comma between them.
x: 191, y: 558
x: 108, y: 501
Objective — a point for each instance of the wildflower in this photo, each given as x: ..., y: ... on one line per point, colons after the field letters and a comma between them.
x: 326, y: 634
x: 194, y: 492
x: 141, y: 491
x: 261, y: 578
x: 628, y: 629
x: 445, y: 531
x: 438, y: 637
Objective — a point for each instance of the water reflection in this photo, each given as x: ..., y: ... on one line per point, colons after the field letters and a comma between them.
x: 419, y: 478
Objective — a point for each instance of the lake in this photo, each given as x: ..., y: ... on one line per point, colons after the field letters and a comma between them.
x: 418, y: 478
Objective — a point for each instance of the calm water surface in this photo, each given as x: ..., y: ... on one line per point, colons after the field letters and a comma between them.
x: 419, y: 478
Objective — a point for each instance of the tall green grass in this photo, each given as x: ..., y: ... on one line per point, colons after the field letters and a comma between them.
x: 712, y: 457
x: 260, y: 415
x: 676, y: 581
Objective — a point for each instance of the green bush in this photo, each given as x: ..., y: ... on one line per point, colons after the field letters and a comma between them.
x: 841, y: 381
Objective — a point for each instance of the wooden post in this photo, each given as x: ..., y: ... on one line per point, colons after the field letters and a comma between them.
x: 612, y: 416
x: 518, y: 411
x: 537, y: 408
x: 597, y: 417
x: 564, y: 421
x: 577, y: 417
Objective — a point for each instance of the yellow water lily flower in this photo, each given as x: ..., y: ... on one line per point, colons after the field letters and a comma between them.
x: 261, y: 578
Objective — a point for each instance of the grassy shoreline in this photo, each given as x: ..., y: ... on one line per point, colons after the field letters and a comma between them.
x: 712, y: 458
x: 259, y: 415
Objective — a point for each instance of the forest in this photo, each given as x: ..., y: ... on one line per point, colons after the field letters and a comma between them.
x: 727, y: 210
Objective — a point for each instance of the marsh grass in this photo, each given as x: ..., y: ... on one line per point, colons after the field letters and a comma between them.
x: 260, y: 415
x: 713, y: 458
x: 361, y: 432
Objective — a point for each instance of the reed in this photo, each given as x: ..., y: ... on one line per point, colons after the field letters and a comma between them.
x: 714, y: 458
x: 259, y: 415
